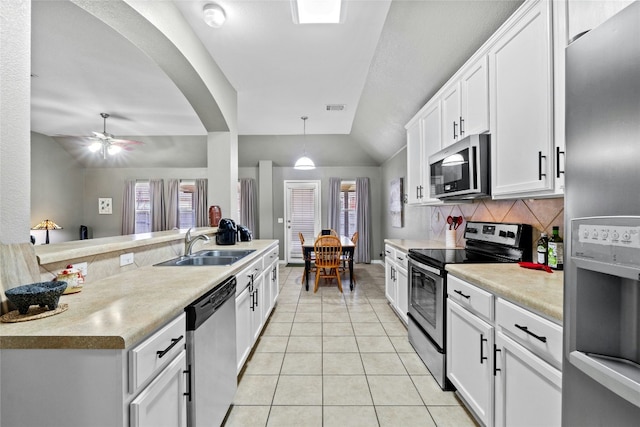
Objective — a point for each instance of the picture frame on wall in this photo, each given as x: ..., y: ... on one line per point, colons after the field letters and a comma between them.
x: 105, y: 206
x: 395, y: 203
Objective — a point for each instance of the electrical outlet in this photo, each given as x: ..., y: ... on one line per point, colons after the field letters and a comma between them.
x: 82, y: 266
x: 126, y: 259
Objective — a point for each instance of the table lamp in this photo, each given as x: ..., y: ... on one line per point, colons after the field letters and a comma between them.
x: 47, y: 224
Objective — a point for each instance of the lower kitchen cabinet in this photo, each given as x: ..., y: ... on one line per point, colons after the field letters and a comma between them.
x: 256, y: 295
x: 397, y: 281
x: 163, y: 402
x: 469, y: 365
x: 528, y: 389
x: 504, y: 360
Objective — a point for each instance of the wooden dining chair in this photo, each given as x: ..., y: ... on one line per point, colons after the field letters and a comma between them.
x: 345, y: 257
x: 328, y: 250
x: 309, y: 256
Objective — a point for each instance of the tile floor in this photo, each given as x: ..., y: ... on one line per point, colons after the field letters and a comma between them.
x: 331, y: 359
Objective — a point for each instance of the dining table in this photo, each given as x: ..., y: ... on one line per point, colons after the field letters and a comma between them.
x: 348, y: 248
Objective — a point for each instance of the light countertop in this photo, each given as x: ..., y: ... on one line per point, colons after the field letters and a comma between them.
x: 121, y: 310
x: 536, y: 290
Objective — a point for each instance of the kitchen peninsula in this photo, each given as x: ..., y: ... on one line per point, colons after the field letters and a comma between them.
x: 78, y: 365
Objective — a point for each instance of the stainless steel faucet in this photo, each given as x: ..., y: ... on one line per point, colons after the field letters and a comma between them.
x: 189, y: 242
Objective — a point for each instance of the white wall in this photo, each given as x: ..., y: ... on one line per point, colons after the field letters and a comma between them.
x: 57, y: 189
x: 417, y: 219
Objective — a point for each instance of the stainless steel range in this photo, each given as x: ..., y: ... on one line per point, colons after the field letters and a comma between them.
x: 487, y: 242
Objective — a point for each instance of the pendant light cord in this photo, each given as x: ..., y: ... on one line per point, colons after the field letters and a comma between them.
x: 304, y: 136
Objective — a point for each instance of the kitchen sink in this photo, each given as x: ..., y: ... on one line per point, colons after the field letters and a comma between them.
x: 207, y: 258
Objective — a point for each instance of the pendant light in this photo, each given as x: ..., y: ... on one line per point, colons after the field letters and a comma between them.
x: 304, y: 163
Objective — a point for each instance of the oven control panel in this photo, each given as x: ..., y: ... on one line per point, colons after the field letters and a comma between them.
x: 503, y: 233
x: 613, y: 239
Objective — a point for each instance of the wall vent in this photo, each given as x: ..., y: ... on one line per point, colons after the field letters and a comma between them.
x: 335, y: 107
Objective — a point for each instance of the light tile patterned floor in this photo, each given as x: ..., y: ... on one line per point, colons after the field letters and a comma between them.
x: 331, y: 359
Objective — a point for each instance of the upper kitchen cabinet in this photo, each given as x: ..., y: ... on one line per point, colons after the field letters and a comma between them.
x: 521, y: 94
x: 465, y: 103
x: 423, y: 140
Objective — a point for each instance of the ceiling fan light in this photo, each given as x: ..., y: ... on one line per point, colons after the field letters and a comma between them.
x: 214, y: 15
x: 114, y: 149
x: 95, y: 147
x: 304, y: 163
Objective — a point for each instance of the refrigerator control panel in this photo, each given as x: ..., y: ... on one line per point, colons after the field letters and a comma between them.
x: 610, y: 235
x: 614, y: 240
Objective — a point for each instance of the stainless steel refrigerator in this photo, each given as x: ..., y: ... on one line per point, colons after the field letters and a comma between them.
x: 601, y: 369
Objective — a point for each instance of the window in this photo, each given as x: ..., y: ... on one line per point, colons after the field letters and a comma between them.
x: 348, y: 199
x: 186, y: 206
x: 143, y: 207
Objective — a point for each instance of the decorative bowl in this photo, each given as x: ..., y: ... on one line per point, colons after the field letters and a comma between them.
x: 42, y: 294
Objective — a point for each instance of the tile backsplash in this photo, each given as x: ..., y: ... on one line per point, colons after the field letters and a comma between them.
x: 541, y: 214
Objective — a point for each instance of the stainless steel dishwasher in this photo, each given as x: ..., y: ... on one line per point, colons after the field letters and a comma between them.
x: 211, y: 355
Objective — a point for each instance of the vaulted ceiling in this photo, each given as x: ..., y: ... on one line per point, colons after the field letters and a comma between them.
x: 383, y: 63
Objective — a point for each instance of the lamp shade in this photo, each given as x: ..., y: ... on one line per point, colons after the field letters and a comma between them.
x: 47, y: 224
x: 304, y: 163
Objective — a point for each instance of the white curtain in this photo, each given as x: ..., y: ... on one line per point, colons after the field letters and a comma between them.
x: 129, y: 207
x: 200, y: 201
x: 156, y: 195
x: 248, y: 204
x: 334, y: 204
x: 363, y: 215
x: 173, y: 192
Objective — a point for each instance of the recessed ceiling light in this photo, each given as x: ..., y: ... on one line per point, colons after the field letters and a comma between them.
x: 316, y: 11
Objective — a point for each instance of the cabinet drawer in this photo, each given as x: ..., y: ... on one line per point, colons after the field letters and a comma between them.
x: 154, y: 353
x: 471, y: 297
x: 539, y: 335
x: 402, y: 260
x: 390, y: 253
x: 244, y: 277
x: 270, y: 257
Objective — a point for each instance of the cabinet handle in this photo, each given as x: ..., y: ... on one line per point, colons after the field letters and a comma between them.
x: 527, y: 331
x: 454, y: 130
x: 461, y: 294
x: 558, y: 171
x: 174, y: 341
x: 540, y: 157
x: 461, y: 128
x: 417, y: 191
x: 482, y: 356
x: 257, y: 290
x: 495, y: 359
x: 421, y: 187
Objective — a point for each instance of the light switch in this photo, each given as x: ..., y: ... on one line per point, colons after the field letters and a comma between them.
x: 280, y: 220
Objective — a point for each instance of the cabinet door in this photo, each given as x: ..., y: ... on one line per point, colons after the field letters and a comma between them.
x: 414, y: 168
x: 163, y: 402
x: 431, y: 144
x: 528, y: 389
x: 244, y: 307
x: 469, y: 360
x: 521, y: 106
x: 259, y: 309
x: 274, y: 284
x: 474, y: 88
x: 390, y: 281
x: 402, y: 290
x: 451, y: 114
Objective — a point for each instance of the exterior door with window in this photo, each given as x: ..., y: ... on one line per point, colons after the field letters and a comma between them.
x: 302, y: 215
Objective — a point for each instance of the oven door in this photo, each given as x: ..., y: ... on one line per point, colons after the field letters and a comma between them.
x: 426, y: 299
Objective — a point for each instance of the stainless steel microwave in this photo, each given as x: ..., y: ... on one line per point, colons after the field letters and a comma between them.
x: 461, y: 171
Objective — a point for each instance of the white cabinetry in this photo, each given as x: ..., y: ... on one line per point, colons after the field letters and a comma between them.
x: 522, y: 104
x: 256, y: 295
x: 423, y: 140
x: 396, y: 281
x: 465, y: 103
x: 513, y: 381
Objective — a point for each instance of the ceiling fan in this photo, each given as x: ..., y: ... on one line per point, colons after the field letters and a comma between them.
x: 106, y: 143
